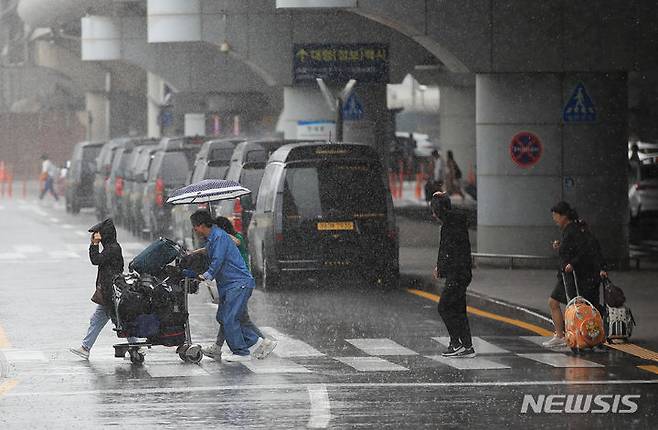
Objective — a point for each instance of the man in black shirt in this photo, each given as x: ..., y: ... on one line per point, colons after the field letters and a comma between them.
x: 453, y: 264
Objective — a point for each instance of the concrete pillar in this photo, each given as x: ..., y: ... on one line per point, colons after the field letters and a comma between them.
x: 457, y: 125
x: 155, y: 101
x: 304, y: 104
x: 581, y: 162
x: 98, y: 109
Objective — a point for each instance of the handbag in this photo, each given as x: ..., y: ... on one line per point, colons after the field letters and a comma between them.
x: 98, y: 297
x: 612, y: 294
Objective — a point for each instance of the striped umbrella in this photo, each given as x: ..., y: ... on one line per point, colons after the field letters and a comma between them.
x: 208, y: 190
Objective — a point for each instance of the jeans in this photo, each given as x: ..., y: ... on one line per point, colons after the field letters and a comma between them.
x: 245, y: 321
x: 49, y: 186
x: 233, y: 304
x: 96, y: 323
x: 452, y: 308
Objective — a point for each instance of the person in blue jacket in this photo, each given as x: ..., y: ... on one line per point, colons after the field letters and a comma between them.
x: 234, y: 284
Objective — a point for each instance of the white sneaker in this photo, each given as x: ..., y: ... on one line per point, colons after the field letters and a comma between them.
x: 234, y: 358
x: 80, y: 352
x: 265, y: 348
x: 555, y: 342
x: 212, y: 351
x: 255, y: 347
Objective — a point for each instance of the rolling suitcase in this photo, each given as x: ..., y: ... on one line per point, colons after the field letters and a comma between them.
x: 619, y: 318
x: 583, y: 325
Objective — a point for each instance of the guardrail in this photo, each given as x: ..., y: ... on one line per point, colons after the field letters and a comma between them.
x: 513, y: 260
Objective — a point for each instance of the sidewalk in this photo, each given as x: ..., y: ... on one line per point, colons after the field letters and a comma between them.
x: 523, y: 294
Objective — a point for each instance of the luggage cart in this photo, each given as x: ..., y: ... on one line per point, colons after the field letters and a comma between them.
x: 146, y: 273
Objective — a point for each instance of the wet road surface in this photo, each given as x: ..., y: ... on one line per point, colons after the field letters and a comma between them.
x: 349, y: 356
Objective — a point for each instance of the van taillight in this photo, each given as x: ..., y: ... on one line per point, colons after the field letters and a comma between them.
x: 118, y: 187
x: 279, y: 237
x: 159, y: 192
x: 392, y: 234
x: 237, y: 216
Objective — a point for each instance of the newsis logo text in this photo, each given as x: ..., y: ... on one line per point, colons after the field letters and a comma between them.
x: 580, y: 403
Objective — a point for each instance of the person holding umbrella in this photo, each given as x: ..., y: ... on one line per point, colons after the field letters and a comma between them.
x: 235, y: 286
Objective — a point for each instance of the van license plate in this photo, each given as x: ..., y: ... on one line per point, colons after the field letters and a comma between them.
x: 336, y: 226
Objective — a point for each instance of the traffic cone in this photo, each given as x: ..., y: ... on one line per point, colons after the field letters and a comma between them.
x: 10, y: 182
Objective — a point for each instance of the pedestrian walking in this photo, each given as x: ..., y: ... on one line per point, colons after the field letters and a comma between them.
x: 579, y: 251
x: 235, y: 286
x: 268, y: 345
x: 453, y: 177
x: 49, y: 173
x: 435, y: 182
x: 454, y: 265
x: 110, y: 264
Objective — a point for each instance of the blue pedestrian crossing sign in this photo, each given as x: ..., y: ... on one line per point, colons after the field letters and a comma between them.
x: 353, y: 109
x: 579, y: 107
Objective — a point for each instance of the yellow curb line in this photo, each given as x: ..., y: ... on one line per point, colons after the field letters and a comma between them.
x: 7, y: 386
x: 650, y: 368
x: 479, y: 312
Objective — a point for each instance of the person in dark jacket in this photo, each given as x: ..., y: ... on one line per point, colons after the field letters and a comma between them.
x: 454, y: 264
x: 580, y: 253
x: 110, y: 264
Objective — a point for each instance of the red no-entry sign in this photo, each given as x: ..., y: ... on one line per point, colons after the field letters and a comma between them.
x: 525, y: 149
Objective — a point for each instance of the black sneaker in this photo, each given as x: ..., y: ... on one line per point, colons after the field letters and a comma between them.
x: 464, y: 353
x: 452, y: 350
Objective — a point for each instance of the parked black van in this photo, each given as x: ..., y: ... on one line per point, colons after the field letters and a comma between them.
x: 324, y: 207
x: 170, y: 169
x: 80, y: 176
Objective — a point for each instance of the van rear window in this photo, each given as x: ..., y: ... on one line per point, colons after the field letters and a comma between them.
x: 176, y: 166
x: 331, y: 189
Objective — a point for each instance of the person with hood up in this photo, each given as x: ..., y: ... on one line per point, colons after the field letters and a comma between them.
x: 454, y: 264
x: 110, y: 264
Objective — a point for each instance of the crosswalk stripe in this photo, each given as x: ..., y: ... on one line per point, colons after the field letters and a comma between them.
x: 371, y: 364
x: 19, y: 355
x: 289, y: 347
x: 181, y: 369
x: 475, y: 363
x: 28, y: 249
x: 63, y: 254
x: 275, y: 365
x: 12, y: 256
x: 539, y: 340
x: 481, y: 346
x: 380, y: 347
x: 560, y: 360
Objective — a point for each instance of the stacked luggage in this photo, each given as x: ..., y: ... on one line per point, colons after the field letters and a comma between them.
x: 151, y: 301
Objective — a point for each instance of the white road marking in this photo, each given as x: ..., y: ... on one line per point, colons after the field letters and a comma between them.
x: 475, y: 363
x: 347, y: 385
x: 370, y: 364
x: 275, y: 365
x: 481, y: 346
x: 381, y: 346
x: 28, y: 249
x: 67, y: 226
x: 134, y: 246
x: 12, y: 256
x: 560, y: 360
x: 18, y: 355
x: 54, y: 220
x: 63, y: 255
x: 320, y: 407
x: 40, y: 212
x: 289, y: 347
x: 538, y: 340
x: 174, y: 370
x: 82, y: 234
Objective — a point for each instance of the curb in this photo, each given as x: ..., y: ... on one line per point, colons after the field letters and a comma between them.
x: 486, y: 303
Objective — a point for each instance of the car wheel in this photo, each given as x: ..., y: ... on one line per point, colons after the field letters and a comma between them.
x: 270, y: 279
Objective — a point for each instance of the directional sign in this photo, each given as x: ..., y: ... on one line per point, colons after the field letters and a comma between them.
x: 579, y: 107
x: 353, y: 109
x: 525, y: 149
x: 365, y: 62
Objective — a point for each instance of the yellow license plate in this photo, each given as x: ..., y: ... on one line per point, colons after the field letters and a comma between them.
x: 324, y: 226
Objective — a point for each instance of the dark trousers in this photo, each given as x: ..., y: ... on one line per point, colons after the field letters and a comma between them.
x: 452, y: 308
